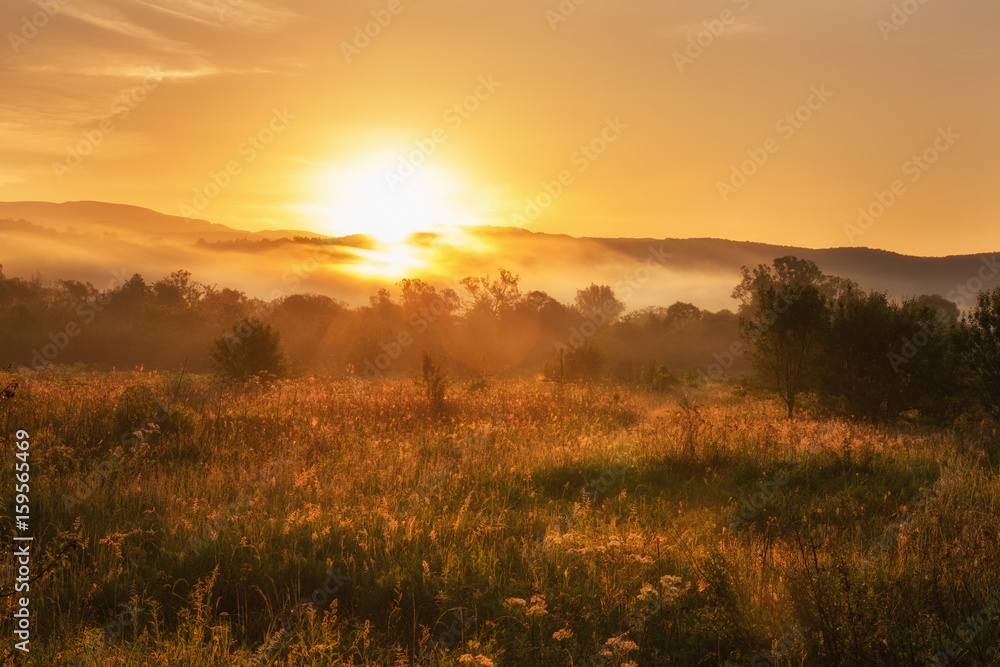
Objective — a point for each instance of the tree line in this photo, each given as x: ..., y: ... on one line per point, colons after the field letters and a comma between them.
x: 806, y: 336
x: 863, y: 355
x: 489, y: 324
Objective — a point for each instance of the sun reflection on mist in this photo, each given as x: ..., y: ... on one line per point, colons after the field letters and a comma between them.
x: 393, y: 260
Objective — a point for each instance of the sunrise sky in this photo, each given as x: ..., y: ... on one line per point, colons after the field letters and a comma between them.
x: 182, y: 85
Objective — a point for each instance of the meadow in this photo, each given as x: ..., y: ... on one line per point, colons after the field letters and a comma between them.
x: 329, y: 521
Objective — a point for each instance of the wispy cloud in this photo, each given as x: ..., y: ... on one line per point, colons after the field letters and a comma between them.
x: 132, y: 71
x: 114, y: 20
x: 246, y: 16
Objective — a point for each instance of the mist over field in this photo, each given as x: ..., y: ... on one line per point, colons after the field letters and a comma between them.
x: 88, y: 241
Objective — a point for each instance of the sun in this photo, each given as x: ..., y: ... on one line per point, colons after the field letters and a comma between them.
x: 389, y: 199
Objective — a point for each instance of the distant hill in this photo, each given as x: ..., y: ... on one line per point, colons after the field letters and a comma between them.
x: 132, y: 223
x: 90, y: 240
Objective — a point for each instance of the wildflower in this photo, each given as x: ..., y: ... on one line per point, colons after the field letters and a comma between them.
x: 516, y: 602
x: 619, y: 644
x: 647, y: 592
x: 537, y: 606
x: 564, y: 633
x: 672, y: 582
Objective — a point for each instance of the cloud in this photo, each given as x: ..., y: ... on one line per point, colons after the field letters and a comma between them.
x: 131, y: 71
x: 241, y: 15
x: 112, y: 19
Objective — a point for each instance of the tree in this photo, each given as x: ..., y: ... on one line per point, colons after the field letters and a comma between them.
x: 381, y: 303
x: 980, y: 348
x: 881, y: 359
x: 77, y: 292
x: 423, y: 303
x: 222, y: 306
x: 309, y: 310
x: 496, y: 297
x: 549, y: 312
x: 788, y: 271
x: 786, y: 335
x: 682, y: 315
x: 252, y: 350
x: 599, y: 304
x: 947, y: 310
x: 783, y: 318
x: 177, y: 290
x: 133, y: 292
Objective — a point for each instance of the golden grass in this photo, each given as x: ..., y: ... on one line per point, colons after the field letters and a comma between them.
x: 211, y: 538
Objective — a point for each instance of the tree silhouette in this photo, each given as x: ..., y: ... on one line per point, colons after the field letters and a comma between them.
x: 980, y: 344
x: 495, y: 297
x: 881, y: 359
x: 599, y: 303
x: 786, y: 336
x: 783, y: 318
x: 252, y: 350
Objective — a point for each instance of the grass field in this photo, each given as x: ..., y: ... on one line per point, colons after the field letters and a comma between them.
x: 330, y: 522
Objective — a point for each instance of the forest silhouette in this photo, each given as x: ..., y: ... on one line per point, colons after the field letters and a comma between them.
x: 802, y: 331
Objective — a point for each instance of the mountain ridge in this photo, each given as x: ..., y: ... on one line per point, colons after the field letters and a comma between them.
x: 81, y: 240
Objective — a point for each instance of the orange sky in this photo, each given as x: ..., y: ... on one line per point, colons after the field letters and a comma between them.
x: 675, y: 117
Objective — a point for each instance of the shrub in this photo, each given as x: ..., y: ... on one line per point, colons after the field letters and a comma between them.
x: 570, y: 365
x: 663, y: 379
x: 252, y: 350
x: 434, y: 381
x: 478, y: 383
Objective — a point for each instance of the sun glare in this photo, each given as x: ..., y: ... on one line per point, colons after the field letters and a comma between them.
x: 397, y: 260
x: 377, y: 198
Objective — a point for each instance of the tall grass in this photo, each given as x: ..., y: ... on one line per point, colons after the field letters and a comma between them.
x: 329, y: 522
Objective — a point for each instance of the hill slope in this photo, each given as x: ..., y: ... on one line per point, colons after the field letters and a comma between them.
x: 90, y: 240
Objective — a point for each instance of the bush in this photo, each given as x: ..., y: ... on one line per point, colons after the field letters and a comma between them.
x: 252, y: 350
x: 478, y: 383
x: 664, y: 380
x: 434, y: 382
x: 583, y: 363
